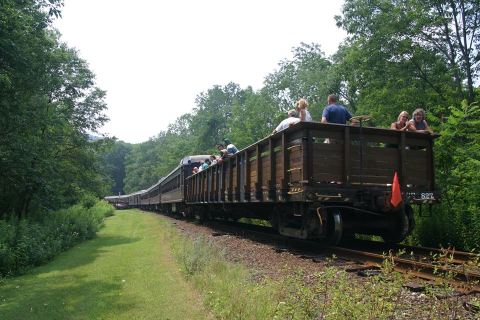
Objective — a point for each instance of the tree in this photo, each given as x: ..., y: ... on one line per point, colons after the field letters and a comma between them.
x: 456, y: 221
x: 213, y: 109
x: 253, y: 118
x: 437, y: 41
x: 114, y: 164
x: 49, y: 105
x: 308, y: 75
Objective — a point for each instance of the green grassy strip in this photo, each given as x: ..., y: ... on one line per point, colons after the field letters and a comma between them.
x: 126, y: 272
x: 229, y: 290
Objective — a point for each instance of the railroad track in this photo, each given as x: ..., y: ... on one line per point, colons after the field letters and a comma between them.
x: 447, y: 255
x: 459, y: 269
x: 463, y: 277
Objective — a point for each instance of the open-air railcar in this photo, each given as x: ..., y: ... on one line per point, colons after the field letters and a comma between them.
x: 318, y: 180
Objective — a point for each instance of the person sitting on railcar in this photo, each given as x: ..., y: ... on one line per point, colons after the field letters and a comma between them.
x: 301, y: 107
x: 214, y: 159
x: 402, y: 123
x: 222, y: 150
x: 290, y: 121
x: 335, y: 113
x: 418, y: 122
x: 231, y: 149
x: 206, y: 164
x: 195, y: 170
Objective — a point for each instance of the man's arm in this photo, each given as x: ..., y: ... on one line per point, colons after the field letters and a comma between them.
x: 324, y: 115
x: 349, y: 116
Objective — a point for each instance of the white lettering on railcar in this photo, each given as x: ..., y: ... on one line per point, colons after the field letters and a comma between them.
x: 427, y: 196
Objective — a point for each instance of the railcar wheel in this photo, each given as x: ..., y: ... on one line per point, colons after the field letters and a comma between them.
x: 335, y: 228
x: 274, y: 219
x: 403, y: 226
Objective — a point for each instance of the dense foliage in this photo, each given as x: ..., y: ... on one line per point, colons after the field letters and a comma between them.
x: 35, y: 240
x: 456, y: 221
x: 49, y: 104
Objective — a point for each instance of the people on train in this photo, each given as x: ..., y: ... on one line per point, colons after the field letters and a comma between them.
x: 222, y: 151
x: 206, y: 164
x: 214, y: 159
x: 334, y: 112
x: 195, y: 170
x: 231, y: 149
x: 301, y: 107
x: 290, y: 121
x: 418, y: 122
x: 402, y: 123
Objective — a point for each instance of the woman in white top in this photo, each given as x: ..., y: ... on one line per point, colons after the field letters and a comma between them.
x: 301, y: 108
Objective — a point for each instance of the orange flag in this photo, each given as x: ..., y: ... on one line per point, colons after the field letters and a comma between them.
x: 396, y: 198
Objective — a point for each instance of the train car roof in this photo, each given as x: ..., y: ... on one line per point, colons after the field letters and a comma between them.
x: 195, y: 158
x: 186, y: 160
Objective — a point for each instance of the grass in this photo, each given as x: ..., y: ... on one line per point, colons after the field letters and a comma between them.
x: 126, y: 272
x: 229, y: 290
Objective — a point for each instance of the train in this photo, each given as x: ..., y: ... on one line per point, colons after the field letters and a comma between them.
x: 313, y: 180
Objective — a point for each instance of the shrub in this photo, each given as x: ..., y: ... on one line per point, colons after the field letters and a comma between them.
x: 30, y: 242
x: 456, y: 221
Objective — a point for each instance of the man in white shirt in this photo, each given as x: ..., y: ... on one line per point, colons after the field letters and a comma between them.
x: 290, y: 121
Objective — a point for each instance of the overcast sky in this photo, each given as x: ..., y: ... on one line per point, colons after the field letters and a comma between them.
x: 154, y: 57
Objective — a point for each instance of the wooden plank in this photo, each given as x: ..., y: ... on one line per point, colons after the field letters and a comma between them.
x: 230, y: 179
x: 417, y: 142
x: 346, y: 157
x: 375, y: 152
x: 309, y: 157
x: 328, y: 166
x: 222, y: 182
x: 238, y: 180
x: 373, y: 171
x: 209, y: 184
x: 248, y: 176
x: 356, y: 179
x: 295, y: 136
x: 402, y: 167
x: 265, y: 171
x: 296, y: 176
x: 374, y: 138
x: 306, y: 159
x: 320, y: 135
x: 328, y: 148
x: 376, y: 164
x: 285, y: 161
x: 327, y: 177
x: 431, y: 164
x: 271, y: 182
x: 416, y: 155
x: 258, y: 182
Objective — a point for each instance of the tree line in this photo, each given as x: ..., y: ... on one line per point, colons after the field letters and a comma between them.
x: 49, y: 107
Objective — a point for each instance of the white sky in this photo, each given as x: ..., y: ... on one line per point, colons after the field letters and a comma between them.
x: 154, y: 57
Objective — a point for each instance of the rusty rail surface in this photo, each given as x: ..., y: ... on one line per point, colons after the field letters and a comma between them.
x: 447, y: 255
x: 461, y: 277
